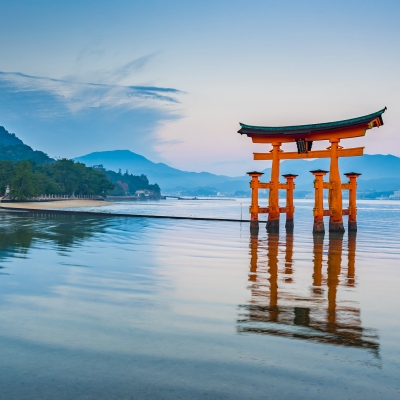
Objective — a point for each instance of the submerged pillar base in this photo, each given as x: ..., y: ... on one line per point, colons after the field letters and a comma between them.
x: 254, y: 227
x: 289, y: 225
x: 336, y: 226
x: 273, y: 225
x: 352, y: 226
x: 319, y: 227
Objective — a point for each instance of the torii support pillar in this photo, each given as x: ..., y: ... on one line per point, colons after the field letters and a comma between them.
x: 289, y: 201
x: 319, y: 201
x: 352, y: 200
x: 254, y: 185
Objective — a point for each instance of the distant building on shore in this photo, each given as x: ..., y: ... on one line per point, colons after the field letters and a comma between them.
x: 147, y: 193
x: 395, y: 195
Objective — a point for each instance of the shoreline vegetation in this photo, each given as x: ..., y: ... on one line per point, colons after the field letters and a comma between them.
x: 25, y: 180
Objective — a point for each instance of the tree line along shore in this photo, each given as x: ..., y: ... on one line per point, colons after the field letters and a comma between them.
x: 25, y: 180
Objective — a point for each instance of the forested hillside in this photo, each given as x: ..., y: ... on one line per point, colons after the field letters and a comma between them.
x: 29, y: 173
x: 63, y: 177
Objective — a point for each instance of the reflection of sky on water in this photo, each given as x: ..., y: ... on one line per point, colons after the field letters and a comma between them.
x: 114, y: 307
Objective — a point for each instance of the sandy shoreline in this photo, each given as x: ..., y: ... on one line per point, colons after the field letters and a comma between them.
x: 49, y: 205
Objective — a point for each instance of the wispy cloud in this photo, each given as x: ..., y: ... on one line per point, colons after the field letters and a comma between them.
x: 64, y: 109
x: 135, y: 65
x: 109, y: 76
x: 77, y: 96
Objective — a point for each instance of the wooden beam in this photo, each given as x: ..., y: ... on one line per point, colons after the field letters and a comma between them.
x: 324, y: 135
x: 327, y: 213
x: 268, y: 185
x: 265, y: 210
x: 264, y: 185
x: 356, y: 151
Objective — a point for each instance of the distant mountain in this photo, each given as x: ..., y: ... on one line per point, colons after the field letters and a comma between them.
x: 14, y: 149
x: 165, y: 176
x: 379, y: 172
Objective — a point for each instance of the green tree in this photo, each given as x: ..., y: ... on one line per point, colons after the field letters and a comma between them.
x: 27, y: 179
x: 6, y: 174
x: 64, y: 173
x: 75, y: 178
x: 25, y: 183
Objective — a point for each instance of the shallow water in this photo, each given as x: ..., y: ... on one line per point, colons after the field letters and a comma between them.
x: 121, y: 308
x: 229, y: 208
x: 203, y: 208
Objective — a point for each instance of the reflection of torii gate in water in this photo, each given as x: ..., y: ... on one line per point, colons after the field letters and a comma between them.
x: 275, y: 311
x: 304, y: 136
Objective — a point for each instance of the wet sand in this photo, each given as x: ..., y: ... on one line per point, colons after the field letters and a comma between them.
x: 47, y: 205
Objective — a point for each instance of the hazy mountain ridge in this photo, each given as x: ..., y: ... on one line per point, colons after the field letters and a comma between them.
x: 379, y: 172
x: 165, y: 176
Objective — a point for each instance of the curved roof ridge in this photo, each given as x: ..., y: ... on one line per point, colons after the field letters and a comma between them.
x: 352, y: 121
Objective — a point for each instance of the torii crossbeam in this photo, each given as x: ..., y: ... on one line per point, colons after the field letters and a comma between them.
x: 304, y: 136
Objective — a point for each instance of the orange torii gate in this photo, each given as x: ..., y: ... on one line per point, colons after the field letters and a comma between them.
x: 304, y: 136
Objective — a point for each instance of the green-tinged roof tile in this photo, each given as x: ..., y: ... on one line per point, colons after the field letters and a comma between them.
x: 250, y: 129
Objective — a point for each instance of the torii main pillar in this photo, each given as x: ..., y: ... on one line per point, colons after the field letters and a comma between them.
x: 335, y: 190
x: 273, y: 198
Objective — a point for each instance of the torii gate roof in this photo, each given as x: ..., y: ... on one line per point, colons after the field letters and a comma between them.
x: 296, y: 131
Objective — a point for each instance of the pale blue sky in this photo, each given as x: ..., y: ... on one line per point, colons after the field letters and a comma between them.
x: 172, y: 79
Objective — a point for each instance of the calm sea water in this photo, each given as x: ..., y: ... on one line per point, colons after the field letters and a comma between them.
x: 137, y: 308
